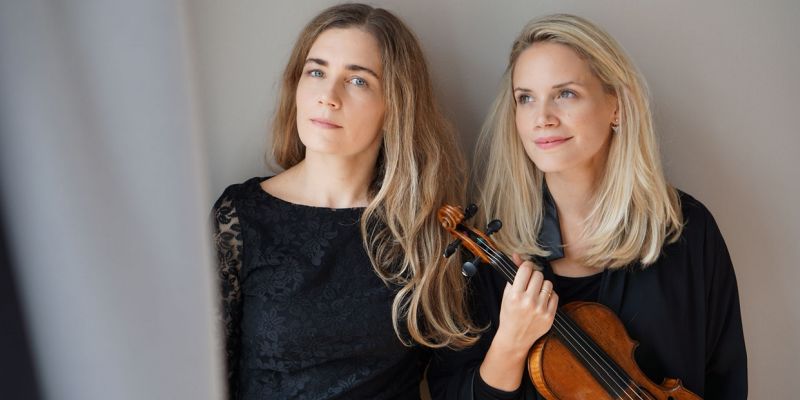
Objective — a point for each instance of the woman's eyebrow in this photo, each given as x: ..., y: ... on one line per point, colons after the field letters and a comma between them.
x: 558, y: 86
x: 349, y: 67
x: 356, y: 67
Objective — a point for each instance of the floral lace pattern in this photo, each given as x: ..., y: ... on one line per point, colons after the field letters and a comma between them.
x: 226, y: 234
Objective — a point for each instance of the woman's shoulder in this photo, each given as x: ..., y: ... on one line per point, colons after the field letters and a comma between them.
x: 695, y: 214
x: 228, y: 207
x: 699, y: 225
x: 238, y: 191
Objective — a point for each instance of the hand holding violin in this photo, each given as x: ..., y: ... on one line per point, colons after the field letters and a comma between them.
x: 580, y: 350
x: 527, y: 311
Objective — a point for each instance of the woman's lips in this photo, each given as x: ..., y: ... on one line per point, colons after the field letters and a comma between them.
x: 324, y: 123
x: 550, y: 141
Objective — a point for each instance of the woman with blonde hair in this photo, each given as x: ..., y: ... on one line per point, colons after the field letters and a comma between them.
x: 332, y: 268
x: 571, y: 167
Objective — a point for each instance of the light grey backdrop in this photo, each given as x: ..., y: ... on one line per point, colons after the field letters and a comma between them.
x: 723, y: 77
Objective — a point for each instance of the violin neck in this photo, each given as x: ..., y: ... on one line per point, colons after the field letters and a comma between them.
x: 504, y: 265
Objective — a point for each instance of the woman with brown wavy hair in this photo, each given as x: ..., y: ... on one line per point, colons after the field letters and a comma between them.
x: 332, y: 268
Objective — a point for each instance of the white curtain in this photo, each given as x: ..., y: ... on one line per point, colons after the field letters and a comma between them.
x: 105, y: 192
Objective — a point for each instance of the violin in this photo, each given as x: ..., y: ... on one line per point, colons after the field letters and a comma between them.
x: 587, y: 354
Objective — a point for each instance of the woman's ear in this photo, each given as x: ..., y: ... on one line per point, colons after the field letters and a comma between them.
x: 615, y: 113
x: 615, y: 118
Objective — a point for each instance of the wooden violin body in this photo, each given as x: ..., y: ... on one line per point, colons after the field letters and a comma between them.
x: 557, y: 373
x: 587, y: 354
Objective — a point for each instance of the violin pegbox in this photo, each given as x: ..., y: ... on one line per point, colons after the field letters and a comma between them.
x: 452, y: 218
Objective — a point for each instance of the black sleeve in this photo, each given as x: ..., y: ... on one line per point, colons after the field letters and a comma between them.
x: 726, y: 357
x: 453, y: 374
x: 227, y: 238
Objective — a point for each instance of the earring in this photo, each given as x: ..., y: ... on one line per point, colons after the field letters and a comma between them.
x: 615, y: 126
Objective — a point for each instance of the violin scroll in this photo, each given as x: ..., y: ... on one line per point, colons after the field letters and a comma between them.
x: 451, y: 218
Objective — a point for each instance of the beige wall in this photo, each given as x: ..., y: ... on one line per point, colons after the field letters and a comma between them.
x: 726, y: 95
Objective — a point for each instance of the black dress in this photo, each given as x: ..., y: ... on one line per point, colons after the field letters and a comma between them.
x: 683, y: 310
x: 305, y: 314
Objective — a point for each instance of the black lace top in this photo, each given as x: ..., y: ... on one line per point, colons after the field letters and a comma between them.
x: 305, y: 315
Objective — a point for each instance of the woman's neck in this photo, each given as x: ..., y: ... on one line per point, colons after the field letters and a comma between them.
x: 322, y: 181
x: 573, y: 193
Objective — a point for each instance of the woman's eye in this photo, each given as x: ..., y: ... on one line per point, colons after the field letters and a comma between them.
x: 566, y: 94
x: 524, y: 99
x: 315, y: 73
x: 358, y: 81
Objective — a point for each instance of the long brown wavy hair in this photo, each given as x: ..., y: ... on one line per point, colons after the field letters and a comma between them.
x: 419, y: 168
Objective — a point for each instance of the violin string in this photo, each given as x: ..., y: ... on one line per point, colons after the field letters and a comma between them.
x: 501, y: 261
x: 507, y: 269
x: 622, y: 377
x: 621, y: 374
x: 620, y: 381
x: 581, y: 352
x: 508, y: 272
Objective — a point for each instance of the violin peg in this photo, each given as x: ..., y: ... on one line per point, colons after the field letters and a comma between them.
x: 451, y: 248
x: 470, y: 211
x: 469, y: 268
x: 493, y: 226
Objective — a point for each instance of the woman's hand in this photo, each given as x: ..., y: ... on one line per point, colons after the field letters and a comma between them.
x: 526, y: 313
x: 528, y: 308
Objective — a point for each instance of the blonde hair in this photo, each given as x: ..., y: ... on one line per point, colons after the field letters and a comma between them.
x: 419, y: 168
x: 635, y: 210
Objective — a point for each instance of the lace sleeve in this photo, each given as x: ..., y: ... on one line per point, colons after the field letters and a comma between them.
x: 228, y: 245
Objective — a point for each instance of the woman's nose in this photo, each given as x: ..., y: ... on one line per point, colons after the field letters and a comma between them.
x: 544, y: 117
x: 329, y: 98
